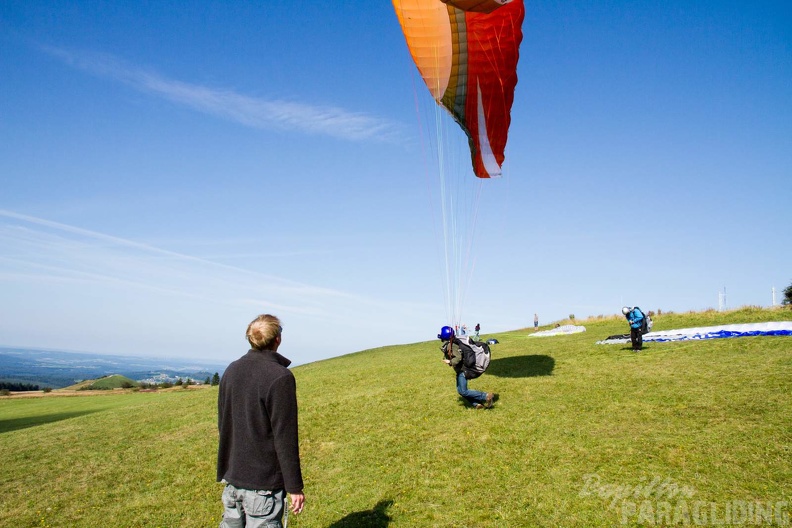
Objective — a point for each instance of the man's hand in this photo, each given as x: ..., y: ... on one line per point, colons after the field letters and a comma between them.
x: 297, y: 502
x: 447, y: 361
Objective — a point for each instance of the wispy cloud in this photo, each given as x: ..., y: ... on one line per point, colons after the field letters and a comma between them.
x: 74, y: 252
x: 91, y: 287
x: 40, y: 249
x: 233, y: 106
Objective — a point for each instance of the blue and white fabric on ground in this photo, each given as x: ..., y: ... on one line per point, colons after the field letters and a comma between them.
x: 780, y: 328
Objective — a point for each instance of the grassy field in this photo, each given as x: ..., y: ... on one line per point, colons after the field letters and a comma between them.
x: 583, y: 435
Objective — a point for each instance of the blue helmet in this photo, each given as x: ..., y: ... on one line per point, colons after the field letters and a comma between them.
x: 446, y: 333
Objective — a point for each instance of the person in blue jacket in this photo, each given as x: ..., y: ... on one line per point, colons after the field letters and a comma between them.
x: 636, y: 318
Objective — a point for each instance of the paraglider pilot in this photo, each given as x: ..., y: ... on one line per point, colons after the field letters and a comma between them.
x: 453, y: 349
x: 637, y: 320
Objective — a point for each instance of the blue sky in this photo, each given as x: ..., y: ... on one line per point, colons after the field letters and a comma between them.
x: 169, y: 172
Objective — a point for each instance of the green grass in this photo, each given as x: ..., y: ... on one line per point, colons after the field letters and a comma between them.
x: 384, y: 437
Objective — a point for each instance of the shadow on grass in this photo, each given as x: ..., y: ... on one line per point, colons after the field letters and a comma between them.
x: 376, y: 517
x: 629, y: 348
x: 522, y: 366
x: 15, y: 424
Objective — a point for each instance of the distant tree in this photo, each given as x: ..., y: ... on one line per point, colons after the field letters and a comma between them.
x: 127, y: 384
x: 178, y: 382
x: 47, y: 389
x: 572, y: 317
x: 166, y: 385
x: 787, y: 295
x: 18, y: 386
x: 216, y: 379
x: 5, y: 392
x: 207, y: 381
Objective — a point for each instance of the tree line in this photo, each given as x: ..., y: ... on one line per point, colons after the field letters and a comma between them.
x: 5, y: 385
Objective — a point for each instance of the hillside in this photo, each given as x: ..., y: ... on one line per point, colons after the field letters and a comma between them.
x: 113, y: 381
x: 583, y: 435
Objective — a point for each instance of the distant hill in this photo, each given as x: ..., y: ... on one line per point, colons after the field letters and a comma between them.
x: 57, y: 369
x: 115, y: 381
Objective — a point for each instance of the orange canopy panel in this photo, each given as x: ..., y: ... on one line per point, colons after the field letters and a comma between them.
x: 467, y: 53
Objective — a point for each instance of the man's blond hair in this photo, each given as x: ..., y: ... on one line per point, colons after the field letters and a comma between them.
x: 262, y: 331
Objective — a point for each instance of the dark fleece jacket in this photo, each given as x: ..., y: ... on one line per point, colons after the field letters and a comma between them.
x: 257, y: 421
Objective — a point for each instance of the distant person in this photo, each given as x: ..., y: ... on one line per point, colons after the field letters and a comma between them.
x: 477, y: 329
x: 458, y: 354
x: 258, y: 457
x: 536, y: 322
x: 463, y: 330
x: 637, y: 321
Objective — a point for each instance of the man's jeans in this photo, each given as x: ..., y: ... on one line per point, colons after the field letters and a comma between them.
x: 253, y: 508
x: 470, y: 395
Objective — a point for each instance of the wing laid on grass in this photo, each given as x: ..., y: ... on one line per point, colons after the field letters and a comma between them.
x: 780, y: 328
x: 467, y: 53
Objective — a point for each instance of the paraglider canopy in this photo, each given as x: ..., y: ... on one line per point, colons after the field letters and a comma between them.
x: 467, y: 52
x: 481, y: 6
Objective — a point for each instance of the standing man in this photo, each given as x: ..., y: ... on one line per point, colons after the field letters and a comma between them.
x: 536, y: 322
x: 636, y: 318
x: 258, y: 456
